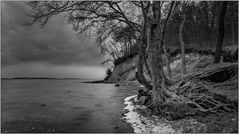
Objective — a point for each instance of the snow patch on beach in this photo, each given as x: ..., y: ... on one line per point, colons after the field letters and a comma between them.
x: 142, y: 124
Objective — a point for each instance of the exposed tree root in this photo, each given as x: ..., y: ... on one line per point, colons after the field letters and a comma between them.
x: 192, y: 93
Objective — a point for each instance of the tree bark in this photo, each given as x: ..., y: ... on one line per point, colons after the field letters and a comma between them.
x: 183, y: 65
x: 233, y: 26
x: 233, y: 34
x: 155, y: 53
x: 141, y: 59
x: 220, y: 32
x: 140, y: 73
x: 167, y: 60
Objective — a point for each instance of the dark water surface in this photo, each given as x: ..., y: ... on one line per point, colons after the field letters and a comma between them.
x: 62, y: 106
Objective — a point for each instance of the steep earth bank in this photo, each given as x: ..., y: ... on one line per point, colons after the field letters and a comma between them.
x: 125, y: 67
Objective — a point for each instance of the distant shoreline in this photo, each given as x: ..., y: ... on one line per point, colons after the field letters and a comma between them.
x: 42, y: 78
x: 89, y: 80
x: 103, y: 81
x: 98, y: 81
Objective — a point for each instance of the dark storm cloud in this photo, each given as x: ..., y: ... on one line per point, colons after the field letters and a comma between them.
x: 56, y: 43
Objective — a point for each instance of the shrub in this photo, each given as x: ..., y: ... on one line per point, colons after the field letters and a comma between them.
x: 108, y: 74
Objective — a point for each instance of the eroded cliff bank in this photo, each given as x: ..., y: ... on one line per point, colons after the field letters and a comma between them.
x: 125, y: 67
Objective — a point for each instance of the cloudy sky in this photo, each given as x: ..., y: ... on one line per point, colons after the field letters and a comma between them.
x: 52, y: 51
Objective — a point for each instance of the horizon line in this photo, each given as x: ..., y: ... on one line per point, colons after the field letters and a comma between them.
x: 36, y: 77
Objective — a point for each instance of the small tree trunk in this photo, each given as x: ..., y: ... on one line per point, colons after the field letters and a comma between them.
x: 167, y: 62
x: 233, y: 25
x: 144, y: 46
x: 126, y: 48
x: 140, y: 73
x: 233, y: 34
x: 182, y: 46
x: 220, y: 32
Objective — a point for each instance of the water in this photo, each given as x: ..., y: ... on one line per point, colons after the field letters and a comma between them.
x: 62, y: 106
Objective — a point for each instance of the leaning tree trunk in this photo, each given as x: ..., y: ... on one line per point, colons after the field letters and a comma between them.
x: 183, y: 65
x: 140, y: 73
x: 220, y: 32
x: 141, y: 60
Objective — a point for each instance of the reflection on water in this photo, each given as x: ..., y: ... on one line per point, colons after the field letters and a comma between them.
x: 62, y: 106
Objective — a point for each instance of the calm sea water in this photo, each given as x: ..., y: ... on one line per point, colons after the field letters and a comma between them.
x: 62, y: 106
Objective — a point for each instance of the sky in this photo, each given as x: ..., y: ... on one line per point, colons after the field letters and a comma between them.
x: 52, y: 51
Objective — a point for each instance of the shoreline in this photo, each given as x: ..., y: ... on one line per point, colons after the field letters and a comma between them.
x: 98, y: 81
x: 143, y: 120
x: 139, y: 122
x: 136, y: 83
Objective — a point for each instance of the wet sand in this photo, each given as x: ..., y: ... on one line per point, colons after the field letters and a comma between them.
x: 63, y: 106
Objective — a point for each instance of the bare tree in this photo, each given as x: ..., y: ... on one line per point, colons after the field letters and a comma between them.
x: 182, y: 45
x: 167, y: 60
x: 220, y: 32
x: 155, y: 52
x: 103, y: 17
x: 100, y: 18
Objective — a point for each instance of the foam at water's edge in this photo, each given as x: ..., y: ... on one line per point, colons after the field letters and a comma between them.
x: 140, y: 123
